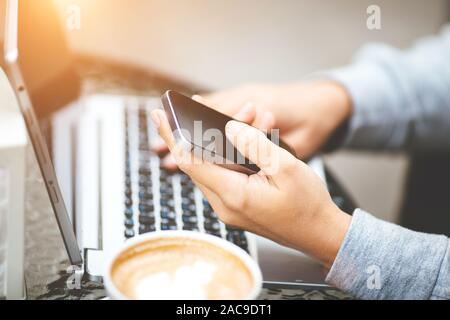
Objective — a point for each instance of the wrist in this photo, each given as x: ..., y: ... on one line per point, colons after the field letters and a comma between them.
x: 334, y: 232
x: 339, y: 103
x: 326, y: 233
x: 335, y: 115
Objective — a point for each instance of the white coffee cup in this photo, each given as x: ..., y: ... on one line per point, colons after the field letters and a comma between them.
x: 147, y: 246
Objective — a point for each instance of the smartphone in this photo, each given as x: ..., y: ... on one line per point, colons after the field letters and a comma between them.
x: 201, y: 130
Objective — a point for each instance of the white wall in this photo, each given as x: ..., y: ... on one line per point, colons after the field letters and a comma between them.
x: 222, y: 43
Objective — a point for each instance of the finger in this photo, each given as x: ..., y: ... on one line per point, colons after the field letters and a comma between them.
x: 213, y: 199
x: 246, y: 114
x: 179, y: 153
x: 305, y: 146
x: 159, y: 146
x: 255, y: 146
x: 224, y: 213
x: 266, y: 121
x: 237, y: 219
x: 169, y: 163
x: 216, y: 178
x: 162, y: 124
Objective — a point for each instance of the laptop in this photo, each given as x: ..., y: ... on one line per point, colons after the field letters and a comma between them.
x: 105, y: 183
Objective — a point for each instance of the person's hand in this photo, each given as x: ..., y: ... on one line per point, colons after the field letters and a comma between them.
x: 306, y: 113
x: 285, y: 201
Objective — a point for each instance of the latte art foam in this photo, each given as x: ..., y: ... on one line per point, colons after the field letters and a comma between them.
x: 188, y: 282
x: 180, y: 268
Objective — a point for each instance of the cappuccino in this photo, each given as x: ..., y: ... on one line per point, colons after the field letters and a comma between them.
x: 181, y: 267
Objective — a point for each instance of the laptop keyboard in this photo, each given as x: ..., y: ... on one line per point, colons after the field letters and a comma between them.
x: 156, y: 199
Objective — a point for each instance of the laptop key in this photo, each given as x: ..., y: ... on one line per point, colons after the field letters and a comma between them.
x: 129, y: 233
x: 165, y: 186
x: 168, y: 214
x: 168, y: 227
x: 189, y: 207
x: 206, y: 205
x: 187, y: 193
x: 191, y: 227
x: 210, y: 215
x: 146, y: 228
x: 145, y: 184
x: 192, y: 219
x: 234, y: 234
x: 129, y: 223
x: 244, y: 246
x: 166, y: 197
x: 190, y: 213
x: 144, y: 171
x: 163, y: 174
x: 215, y: 233
x: 166, y: 191
x: 128, y: 202
x: 146, y: 202
x: 237, y: 237
x: 145, y: 195
x: 212, y: 226
x: 129, y: 213
x: 147, y: 219
x: 187, y: 201
x: 165, y: 221
x: 167, y: 203
x: 146, y: 207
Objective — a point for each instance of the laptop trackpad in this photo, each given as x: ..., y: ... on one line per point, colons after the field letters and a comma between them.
x: 287, y: 267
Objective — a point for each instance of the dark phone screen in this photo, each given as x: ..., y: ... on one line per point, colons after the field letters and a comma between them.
x: 205, y: 128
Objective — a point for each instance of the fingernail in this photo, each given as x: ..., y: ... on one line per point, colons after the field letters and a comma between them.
x: 233, y: 127
x: 155, y: 119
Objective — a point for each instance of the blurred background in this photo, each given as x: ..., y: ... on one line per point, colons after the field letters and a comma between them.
x: 222, y: 43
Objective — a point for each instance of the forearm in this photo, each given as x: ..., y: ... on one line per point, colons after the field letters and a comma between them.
x: 400, y: 100
x: 379, y: 260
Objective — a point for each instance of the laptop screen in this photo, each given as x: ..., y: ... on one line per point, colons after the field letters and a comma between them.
x: 45, y: 61
x: 37, y: 74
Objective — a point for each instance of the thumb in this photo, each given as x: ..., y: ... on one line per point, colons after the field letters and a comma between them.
x: 255, y: 146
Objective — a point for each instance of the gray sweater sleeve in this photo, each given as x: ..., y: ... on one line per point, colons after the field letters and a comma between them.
x: 380, y: 260
x: 401, y: 99
x: 401, y: 102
